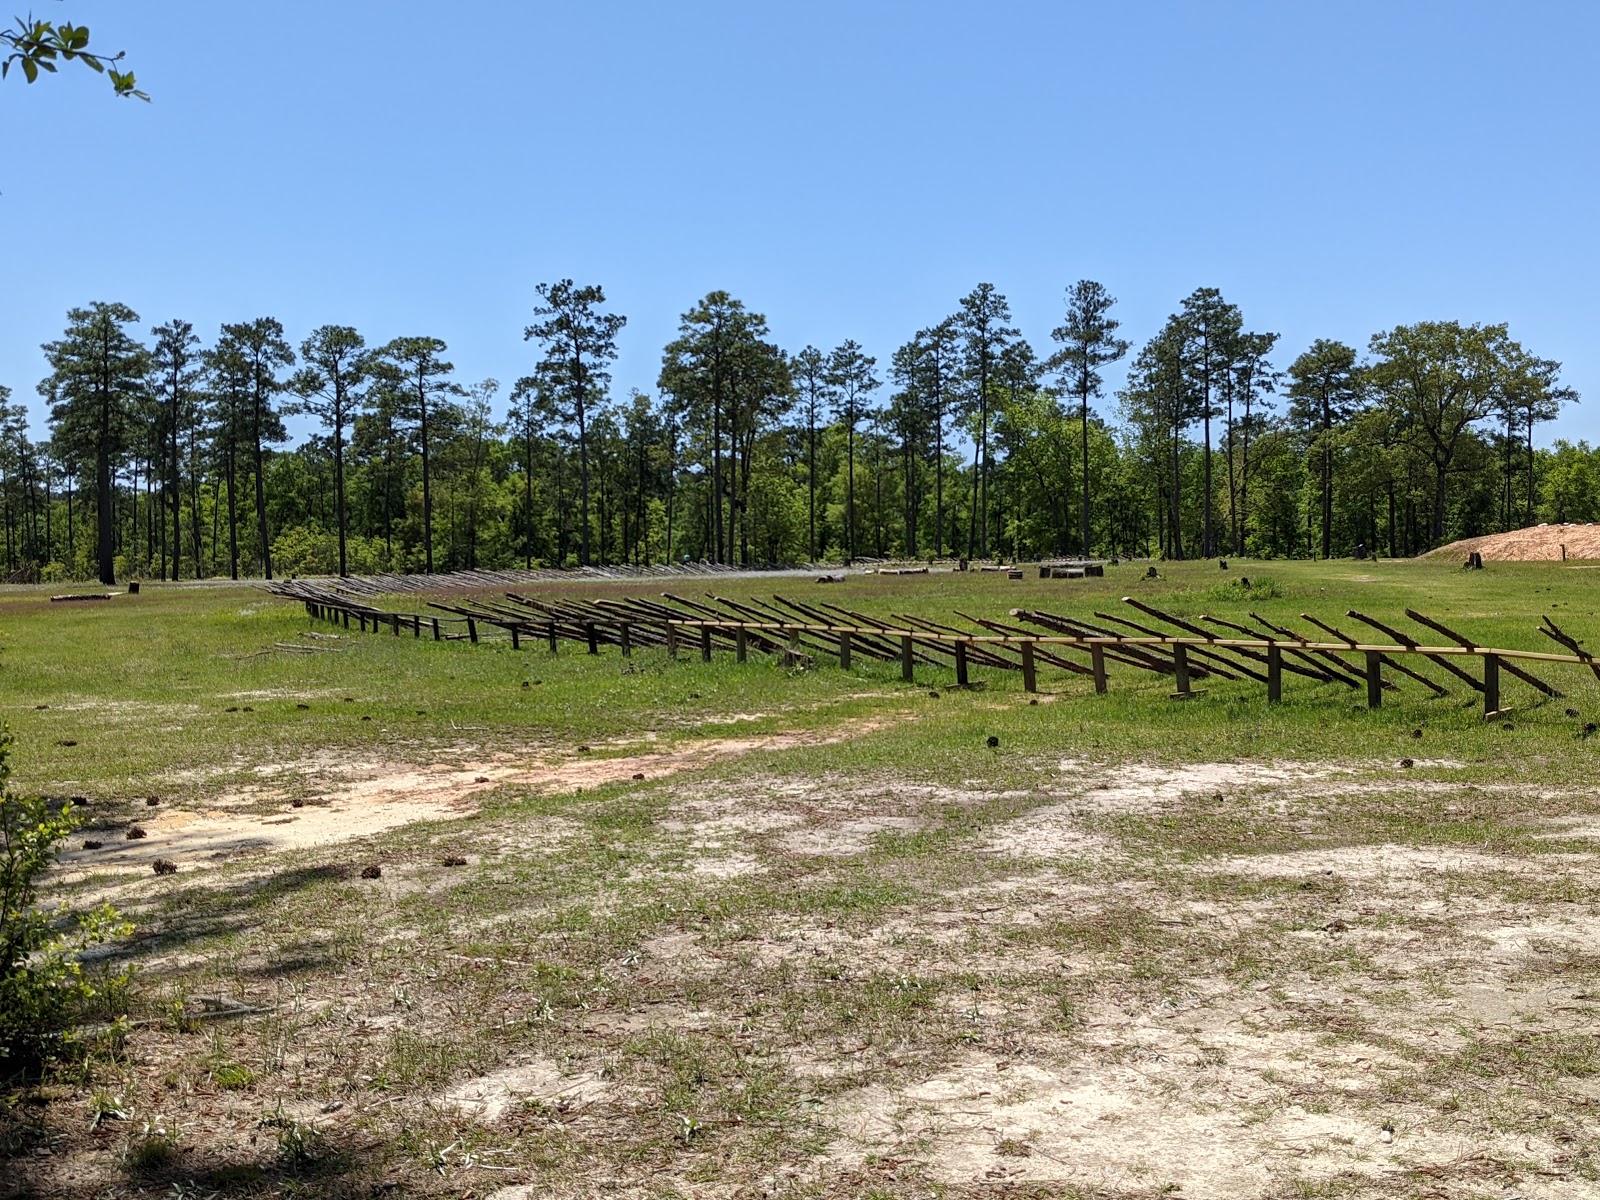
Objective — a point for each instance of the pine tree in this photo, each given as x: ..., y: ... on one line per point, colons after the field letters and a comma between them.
x: 1088, y: 342
x: 258, y: 349
x: 337, y: 367
x: 98, y: 373
x: 419, y: 385
x: 579, y: 344
x: 177, y: 370
x: 981, y: 323
x: 850, y: 373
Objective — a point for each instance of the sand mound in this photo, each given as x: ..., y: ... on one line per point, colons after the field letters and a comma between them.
x: 1538, y: 543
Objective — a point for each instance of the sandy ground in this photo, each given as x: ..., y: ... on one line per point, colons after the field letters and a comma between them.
x: 374, y: 796
x: 1538, y: 543
x: 1380, y: 964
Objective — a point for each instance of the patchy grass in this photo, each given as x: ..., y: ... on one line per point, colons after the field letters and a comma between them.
x: 833, y: 944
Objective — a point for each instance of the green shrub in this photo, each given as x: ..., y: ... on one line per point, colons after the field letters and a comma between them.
x: 1262, y: 587
x: 42, y: 982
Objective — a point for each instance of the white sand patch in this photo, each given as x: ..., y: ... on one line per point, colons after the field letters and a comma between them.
x: 1144, y: 1122
x: 844, y: 838
x: 489, y: 1097
x: 1379, y: 864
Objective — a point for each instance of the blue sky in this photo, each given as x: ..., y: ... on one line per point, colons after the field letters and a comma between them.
x: 850, y: 170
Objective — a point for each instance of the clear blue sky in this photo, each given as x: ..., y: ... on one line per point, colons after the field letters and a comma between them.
x: 849, y: 169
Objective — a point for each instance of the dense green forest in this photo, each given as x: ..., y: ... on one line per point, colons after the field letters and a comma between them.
x: 167, y: 456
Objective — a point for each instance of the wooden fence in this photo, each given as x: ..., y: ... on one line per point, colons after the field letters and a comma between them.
x: 799, y: 632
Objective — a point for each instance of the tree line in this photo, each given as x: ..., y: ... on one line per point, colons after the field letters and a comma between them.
x: 167, y: 457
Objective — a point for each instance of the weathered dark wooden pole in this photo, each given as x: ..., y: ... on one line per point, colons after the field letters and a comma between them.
x: 672, y: 640
x: 516, y: 639
x: 844, y: 651
x: 961, y: 664
x: 741, y: 644
x: 1180, y: 671
x: 394, y: 620
x: 626, y: 639
x: 1097, y: 664
x: 594, y: 641
x: 436, y: 634
x: 705, y: 643
x: 907, y: 658
x: 416, y: 627
x: 362, y: 617
x: 1374, y: 679
x: 1030, y: 673
x: 550, y: 635
x: 472, y: 631
x: 1491, y: 684
x: 347, y: 618
x: 1274, y: 675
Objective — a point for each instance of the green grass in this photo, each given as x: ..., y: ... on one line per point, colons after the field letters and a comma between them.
x: 724, y: 1021
x: 143, y: 684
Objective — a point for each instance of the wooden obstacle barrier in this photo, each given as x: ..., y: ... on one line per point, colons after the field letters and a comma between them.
x: 796, y: 632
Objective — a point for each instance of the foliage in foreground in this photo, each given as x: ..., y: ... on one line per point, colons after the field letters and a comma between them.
x: 42, y: 982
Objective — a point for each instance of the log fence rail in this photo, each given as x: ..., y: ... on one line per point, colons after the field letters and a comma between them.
x: 798, y: 632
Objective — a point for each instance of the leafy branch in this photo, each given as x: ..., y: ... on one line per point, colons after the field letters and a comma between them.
x: 35, y: 46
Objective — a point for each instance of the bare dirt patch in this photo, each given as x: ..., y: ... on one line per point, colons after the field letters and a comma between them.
x: 487, y: 1098
x: 362, y: 797
x: 1537, y: 543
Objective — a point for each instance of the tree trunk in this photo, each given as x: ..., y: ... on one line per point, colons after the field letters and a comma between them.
x: 233, y: 516
x: 104, y: 515
x: 1083, y: 519
x: 261, y: 488
x: 811, y: 473
x: 338, y: 491
x: 427, y: 482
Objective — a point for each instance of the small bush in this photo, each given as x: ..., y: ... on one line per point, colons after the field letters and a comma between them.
x: 298, y: 1144
x: 42, y: 983
x: 1261, y: 587
x: 151, y: 1150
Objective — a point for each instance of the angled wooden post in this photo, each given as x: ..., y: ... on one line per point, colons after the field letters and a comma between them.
x: 906, y: 659
x: 1491, y: 684
x: 1097, y: 664
x: 1374, y: 679
x: 844, y: 651
x: 1180, y: 671
x: 472, y: 631
x: 705, y: 643
x: 516, y: 639
x: 961, y: 664
x: 1274, y: 675
x: 1030, y: 674
x: 741, y: 644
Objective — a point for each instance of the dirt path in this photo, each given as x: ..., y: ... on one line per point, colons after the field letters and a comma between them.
x: 373, y: 796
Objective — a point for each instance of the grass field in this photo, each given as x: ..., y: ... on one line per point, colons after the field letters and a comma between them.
x: 657, y: 928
